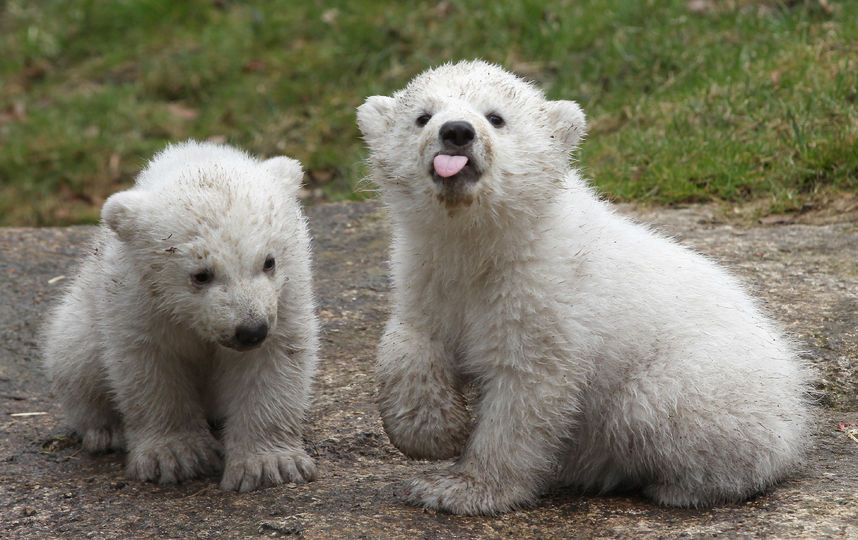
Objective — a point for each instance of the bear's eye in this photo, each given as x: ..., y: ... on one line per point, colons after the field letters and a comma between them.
x: 268, y: 265
x: 423, y: 119
x: 496, y: 120
x: 202, y: 278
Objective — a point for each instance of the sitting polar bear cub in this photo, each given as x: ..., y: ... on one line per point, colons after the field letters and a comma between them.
x: 195, y: 304
x: 604, y: 354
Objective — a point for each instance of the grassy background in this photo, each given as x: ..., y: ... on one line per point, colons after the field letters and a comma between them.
x: 692, y: 100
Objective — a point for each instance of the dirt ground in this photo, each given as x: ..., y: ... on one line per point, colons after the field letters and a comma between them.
x: 806, y: 275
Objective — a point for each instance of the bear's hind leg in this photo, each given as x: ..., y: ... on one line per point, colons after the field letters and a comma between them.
x: 97, y: 422
x: 90, y: 410
x: 692, y: 441
x: 73, y: 364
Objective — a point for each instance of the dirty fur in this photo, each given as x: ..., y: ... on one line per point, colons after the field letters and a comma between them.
x: 605, y: 356
x: 143, y: 355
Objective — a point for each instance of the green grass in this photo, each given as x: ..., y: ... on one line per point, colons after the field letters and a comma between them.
x: 740, y: 101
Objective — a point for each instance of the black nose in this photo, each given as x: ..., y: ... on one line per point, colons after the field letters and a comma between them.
x: 251, y: 335
x: 457, y: 133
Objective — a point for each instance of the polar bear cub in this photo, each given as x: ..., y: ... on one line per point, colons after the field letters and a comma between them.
x: 195, y: 305
x: 603, y: 354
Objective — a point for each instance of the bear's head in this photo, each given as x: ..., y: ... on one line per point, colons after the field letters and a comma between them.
x: 213, y: 235
x: 469, y: 133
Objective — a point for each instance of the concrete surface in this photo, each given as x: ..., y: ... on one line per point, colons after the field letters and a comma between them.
x: 807, y: 276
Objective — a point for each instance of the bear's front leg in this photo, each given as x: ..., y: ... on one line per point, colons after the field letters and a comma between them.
x: 167, y: 434
x: 422, y: 408
x: 521, y: 419
x: 266, y: 394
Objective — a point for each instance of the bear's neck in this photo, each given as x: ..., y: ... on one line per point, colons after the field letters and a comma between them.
x: 492, y: 223
x: 477, y: 235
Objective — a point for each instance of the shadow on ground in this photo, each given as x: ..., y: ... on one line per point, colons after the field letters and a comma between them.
x: 806, y: 275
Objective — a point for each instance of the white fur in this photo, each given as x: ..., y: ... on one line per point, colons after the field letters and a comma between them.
x: 603, y: 354
x: 139, y: 354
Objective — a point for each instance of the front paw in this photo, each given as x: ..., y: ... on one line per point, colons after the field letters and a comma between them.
x: 466, y: 493
x: 435, y: 428
x: 254, y: 471
x: 169, y: 459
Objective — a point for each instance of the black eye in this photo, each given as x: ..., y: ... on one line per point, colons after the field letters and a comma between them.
x: 268, y: 265
x: 496, y: 120
x: 423, y: 119
x: 202, y: 278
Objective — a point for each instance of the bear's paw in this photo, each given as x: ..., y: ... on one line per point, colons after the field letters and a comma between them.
x: 263, y: 470
x: 169, y: 459
x: 458, y: 492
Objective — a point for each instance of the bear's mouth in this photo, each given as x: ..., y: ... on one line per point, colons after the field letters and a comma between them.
x: 240, y: 347
x: 242, y: 344
x: 454, y: 169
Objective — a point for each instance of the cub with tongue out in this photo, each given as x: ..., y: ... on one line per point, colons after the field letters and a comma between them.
x: 602, y: 355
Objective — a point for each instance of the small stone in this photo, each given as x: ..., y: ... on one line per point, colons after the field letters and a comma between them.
x: 284, y: 527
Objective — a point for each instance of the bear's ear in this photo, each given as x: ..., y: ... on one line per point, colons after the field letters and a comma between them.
x: 567, y: 121
x: 122, y: 213
x: 287, y: 170
x: 373, y: 117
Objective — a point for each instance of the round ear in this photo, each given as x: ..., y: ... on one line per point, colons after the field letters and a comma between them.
x: 286, y: 169
x: 567, y: 122
x: 122, y: 212
x: 374, y: 117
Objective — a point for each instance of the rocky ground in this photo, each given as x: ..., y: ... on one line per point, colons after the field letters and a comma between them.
x: 807, y: 276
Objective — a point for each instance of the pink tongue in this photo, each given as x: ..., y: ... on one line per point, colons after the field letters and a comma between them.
x: 447, y: 166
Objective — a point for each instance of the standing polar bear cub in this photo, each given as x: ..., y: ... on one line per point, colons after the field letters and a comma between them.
x: 195, y: 305
x: 603, y: 354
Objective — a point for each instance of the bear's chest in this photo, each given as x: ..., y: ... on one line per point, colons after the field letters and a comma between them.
x: 484, y: 299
